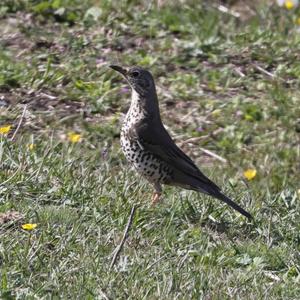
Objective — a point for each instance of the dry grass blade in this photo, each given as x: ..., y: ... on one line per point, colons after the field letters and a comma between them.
x: 212, y: 154
x: 125, y: 236
x: 20, y: 122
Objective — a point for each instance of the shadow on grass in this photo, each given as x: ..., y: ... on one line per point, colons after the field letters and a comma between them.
x: 232, y: 229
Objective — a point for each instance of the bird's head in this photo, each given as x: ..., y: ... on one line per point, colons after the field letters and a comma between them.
x: 139, y: 79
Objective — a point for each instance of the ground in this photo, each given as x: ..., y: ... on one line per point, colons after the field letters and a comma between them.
x: 227, y: 77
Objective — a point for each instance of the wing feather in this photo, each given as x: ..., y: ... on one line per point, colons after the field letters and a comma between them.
x: 157, y: 140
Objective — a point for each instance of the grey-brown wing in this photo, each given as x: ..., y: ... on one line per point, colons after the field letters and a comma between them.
x: 157, y: 140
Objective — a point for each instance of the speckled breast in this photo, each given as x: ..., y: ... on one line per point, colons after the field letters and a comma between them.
x: 143, y: 161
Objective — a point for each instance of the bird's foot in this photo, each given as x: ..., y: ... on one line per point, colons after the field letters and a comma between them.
x: 155, y: 198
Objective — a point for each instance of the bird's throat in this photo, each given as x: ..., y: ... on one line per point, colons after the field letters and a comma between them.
x: 144, y: 106
x: 136, y: 99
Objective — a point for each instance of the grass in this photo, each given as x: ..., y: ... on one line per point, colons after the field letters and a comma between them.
x: 231, y: 84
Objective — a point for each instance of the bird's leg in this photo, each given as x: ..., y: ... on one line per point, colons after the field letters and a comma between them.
x: 155, y: 198
x: 157, y: 193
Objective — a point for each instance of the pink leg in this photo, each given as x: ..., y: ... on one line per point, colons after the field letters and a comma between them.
x: 157, y: 193
x: 155, y: 198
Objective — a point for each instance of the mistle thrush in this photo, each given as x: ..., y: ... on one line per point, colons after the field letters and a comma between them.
x: 148, y: 146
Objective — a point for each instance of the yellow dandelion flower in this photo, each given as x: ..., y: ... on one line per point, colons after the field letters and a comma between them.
x: 31, y: 146
x: 5, y: 129
x: 216, y: 113
x: 74, y: 137
x: 298, y: 21
x: 248, y: 117
x: 250, y: 174
x: 29, y: 226
x: 289, y: 4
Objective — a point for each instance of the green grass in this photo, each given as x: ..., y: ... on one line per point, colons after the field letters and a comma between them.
x: 230, y: 83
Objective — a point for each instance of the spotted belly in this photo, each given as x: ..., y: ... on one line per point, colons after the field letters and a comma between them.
x: 145, y: 163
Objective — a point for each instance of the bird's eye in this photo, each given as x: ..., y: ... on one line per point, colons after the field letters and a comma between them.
x: 135, y: 74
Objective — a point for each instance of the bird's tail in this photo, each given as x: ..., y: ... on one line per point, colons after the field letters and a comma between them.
x: 206, y: 186
x: 219, y: 195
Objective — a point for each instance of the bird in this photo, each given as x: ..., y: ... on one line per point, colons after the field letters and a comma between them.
x: 148, y: 146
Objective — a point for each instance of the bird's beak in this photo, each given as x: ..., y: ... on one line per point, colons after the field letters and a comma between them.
x: 119, y: 69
